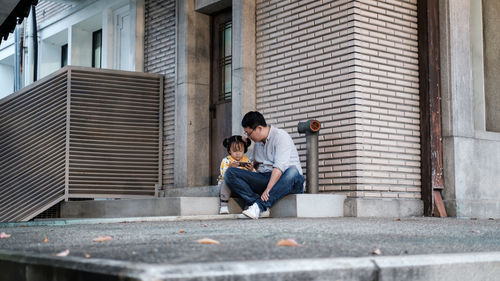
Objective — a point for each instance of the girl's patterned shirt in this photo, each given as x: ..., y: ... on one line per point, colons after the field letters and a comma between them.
x: 225, y: 164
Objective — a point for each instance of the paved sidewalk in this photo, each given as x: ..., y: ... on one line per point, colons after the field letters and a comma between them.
x: 168, y: 243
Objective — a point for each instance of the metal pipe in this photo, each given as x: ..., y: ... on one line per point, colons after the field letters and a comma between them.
x: 311, y: 129
x: 17, y: 59
x: 35, y: 43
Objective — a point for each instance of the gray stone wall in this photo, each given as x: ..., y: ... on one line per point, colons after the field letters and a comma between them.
x: 159, y: 57
x: 353, y: 65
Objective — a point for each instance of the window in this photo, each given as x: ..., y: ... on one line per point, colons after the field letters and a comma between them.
x: 97, y: 48
x: 225, y: 60
x: 64, y: 55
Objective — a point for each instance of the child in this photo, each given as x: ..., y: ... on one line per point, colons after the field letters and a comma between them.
x: 236, y: 147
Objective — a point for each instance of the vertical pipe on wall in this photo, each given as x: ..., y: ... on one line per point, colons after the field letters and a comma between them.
x: 34, y: 32
x: 17, y: 60
x: 311, y: 129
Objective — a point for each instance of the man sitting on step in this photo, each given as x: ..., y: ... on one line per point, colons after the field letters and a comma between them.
x: 277, y: 163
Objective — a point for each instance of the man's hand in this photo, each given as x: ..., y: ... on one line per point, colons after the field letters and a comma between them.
x: 265, y: 194
x: 249, y: 166
x: 275, y: 176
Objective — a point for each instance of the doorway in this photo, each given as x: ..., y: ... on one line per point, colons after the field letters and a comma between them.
x: 221, y: 89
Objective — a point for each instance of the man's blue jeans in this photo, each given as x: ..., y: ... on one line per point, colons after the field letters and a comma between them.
x: 250, y: 185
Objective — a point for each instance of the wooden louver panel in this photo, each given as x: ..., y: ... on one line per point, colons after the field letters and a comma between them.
x: 79, y: 132
x: 114, y: 136
x: 32, y: 149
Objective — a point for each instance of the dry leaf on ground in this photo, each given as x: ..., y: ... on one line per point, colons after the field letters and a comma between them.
x: 208, y: 241
x: 181, y: 231
x: 376, y: 252
x: 46, y: 239
x: 288, y: 242
x: 102, y: 238
x: 63, y: 253
x: 4, y: 235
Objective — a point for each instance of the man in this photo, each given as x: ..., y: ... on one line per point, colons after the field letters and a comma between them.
x: 278, y: 167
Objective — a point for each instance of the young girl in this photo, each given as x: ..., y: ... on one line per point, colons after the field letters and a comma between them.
x: 236, y: 147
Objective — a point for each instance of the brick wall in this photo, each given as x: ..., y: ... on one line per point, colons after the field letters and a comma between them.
x: 159, y: 57
x: 48, y: 9
x: 352, y: 65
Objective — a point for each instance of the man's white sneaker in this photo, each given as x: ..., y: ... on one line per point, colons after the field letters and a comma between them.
x: 252, y: 211
x: 223, y: 210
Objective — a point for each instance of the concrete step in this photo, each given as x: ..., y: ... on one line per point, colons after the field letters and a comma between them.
x: 171, y: 206
x: 196, y: 191
x: 293, y: 205
x: 443, y: 267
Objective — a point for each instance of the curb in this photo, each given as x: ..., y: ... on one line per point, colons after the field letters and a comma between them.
x: 61, y: 222
x: 463, y: 266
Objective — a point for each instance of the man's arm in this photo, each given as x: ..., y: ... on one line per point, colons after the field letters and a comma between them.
x: 275, y: 176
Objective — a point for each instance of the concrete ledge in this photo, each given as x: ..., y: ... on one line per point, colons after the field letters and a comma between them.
x: 481, y: 209
x: 174, y: 206
x: 293, y: 205
x: 77, y: 221
x: 443, y: 267
x: 309, y: 206
x: 382, y: 207
x: 196, y: 191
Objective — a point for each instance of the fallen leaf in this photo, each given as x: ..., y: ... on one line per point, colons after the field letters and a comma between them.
x: 476, y: 231
x: 102, y: 238
x: 46, y: 239
x: 288, y: 243
x: 63, y: 253
x: 398, y: 219
x: 204, y: 225
x: 376, y: 252
x: 4, y: 235
x: 181, y: 231
x: 208, y: 241
x: 87, y: 255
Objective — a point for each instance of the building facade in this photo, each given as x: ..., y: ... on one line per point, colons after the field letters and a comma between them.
x: 351, y: 64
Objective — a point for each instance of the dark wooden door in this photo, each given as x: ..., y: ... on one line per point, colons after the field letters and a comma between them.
x: 221, y: 83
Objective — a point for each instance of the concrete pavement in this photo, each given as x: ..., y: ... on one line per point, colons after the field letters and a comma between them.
x: 344, y: 248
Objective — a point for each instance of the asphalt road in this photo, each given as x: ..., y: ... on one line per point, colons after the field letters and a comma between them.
x: 243, y: 240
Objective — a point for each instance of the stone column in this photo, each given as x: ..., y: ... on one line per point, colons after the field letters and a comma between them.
x: 243, y: 87
x: 192, y: 122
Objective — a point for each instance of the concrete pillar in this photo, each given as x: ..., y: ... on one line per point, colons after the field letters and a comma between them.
x: 137, y: 38
x: 456, y: 57
x: 491, y: 21
x: 107, y: 39
x: 192, y: 122
x: 471, y: 155
x: 477, y: 64
x: 243, y: 88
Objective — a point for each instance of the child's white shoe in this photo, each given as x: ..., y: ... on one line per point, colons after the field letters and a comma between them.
x: 223, y: 210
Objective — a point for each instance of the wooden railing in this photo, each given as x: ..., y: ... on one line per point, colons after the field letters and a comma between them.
x: 79, y: 133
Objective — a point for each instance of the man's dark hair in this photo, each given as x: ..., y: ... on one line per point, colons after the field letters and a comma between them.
x: 253, y: 119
